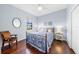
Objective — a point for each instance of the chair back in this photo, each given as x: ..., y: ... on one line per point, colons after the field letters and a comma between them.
x: 5, y: 35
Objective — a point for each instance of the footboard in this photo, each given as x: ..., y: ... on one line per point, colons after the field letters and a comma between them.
x: 38, y: 41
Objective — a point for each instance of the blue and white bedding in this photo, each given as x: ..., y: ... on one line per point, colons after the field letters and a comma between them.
x: 37, y: 39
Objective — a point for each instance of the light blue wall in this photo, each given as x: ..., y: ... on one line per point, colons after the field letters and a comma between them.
x: 57, y: 18
x: 7, y: 13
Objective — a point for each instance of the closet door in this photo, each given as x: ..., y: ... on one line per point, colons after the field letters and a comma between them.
x: 75, y: 29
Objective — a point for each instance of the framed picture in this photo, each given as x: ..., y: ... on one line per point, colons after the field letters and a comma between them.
x: 29, y: 25
x: 50, y: 23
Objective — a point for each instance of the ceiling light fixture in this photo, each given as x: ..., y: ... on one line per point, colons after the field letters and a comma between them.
x: 40, y: 8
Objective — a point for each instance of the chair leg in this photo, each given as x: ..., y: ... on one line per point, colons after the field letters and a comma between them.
x: 9, y: 45
x: 2, y: 46
x: 16, y: 41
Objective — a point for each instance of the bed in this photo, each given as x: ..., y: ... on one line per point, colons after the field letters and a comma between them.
x: 40, y: 40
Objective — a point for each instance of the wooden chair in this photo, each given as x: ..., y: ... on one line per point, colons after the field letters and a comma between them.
x: 8, y: 38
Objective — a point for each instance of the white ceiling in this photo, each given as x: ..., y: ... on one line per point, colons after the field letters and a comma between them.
x: 47, y: 8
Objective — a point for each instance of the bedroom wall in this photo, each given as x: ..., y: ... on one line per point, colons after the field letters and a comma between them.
x: 57, y: 18
x: 7, y: 13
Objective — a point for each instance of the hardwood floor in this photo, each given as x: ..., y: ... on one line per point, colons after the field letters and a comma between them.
x: 58, y: 47
x: 21, y: 48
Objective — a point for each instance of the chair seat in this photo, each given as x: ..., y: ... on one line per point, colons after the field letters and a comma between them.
x: 13, y: 38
